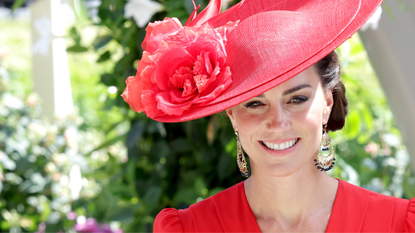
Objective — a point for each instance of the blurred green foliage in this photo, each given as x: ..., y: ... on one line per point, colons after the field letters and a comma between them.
x: 41, y: 163
x: 132, y: 167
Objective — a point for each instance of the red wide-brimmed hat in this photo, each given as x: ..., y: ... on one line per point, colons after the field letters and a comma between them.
x: 218, y: 60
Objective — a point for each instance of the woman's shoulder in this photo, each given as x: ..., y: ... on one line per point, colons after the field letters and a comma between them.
x: 354, y: 193
x: 168, y: 220
x: 410, y: 219
x: 205, y: 215
x: 373, y: 209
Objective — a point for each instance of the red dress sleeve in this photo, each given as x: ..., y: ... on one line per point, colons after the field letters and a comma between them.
x: 168, y: 221
x: 410, y: 218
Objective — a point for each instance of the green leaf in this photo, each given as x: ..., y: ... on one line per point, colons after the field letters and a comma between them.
x: 351, y: 128
x: 135, y: 133
x: 102, y: 41
x: 105, y: 56
x: 152, y: 198
x: 131, y: 173
x: 46, y: 211
x: 109, y: 79
x: 77, y: 49
x: 118, y: 189
x: 200, y: 187
x: 121, y: 214
x: 110, y: 142
x: 98, y: 175
x: 368, y: 117
x: 75, y: 35
x: 17, y: 4
x: 231, y: 146
x: 409, y: 187
x: 185, y: 196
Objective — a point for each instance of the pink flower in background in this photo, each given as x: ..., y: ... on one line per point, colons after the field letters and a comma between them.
x: 90, y: 225
x: 372, y: 148
x: 105, y: 228
x: 181, y: 67
x: 41, y: 228
x: 71, y: 215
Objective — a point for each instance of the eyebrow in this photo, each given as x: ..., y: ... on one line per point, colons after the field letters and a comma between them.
x: 292, y: 90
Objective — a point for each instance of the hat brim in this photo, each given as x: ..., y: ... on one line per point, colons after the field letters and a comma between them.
x: 275, y: 42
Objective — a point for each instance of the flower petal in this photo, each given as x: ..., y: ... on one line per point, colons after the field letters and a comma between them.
x: 157, y: 31
x: 165, y: 68
x: 224, y: 81
x: 178, y: 98
x: 132, y: 94
x: 149, y: 103
x: 165, y: 104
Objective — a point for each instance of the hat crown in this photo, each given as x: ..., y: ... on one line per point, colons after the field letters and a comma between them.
x: 275, y: 37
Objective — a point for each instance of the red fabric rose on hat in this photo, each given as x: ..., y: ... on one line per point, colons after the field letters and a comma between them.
x: 181, y: 67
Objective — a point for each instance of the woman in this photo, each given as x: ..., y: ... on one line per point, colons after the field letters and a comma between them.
x: 270, y: 65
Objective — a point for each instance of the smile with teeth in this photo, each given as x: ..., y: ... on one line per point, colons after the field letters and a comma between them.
x: 281, y: 146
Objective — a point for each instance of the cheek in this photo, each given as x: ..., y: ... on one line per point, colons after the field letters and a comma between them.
x: 247, y: 122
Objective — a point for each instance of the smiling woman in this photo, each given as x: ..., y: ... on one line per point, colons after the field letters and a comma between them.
x: 273, y: 69
x: 281, y: 128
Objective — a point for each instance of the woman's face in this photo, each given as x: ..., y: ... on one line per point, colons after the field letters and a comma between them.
x: 281, y: 129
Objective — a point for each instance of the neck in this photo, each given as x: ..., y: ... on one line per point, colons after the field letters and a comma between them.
x: 290, y: 199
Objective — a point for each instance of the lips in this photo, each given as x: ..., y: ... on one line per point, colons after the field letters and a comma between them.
x: 280, y: 146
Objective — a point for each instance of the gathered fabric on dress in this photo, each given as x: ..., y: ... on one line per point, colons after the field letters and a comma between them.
x: 354, y: 210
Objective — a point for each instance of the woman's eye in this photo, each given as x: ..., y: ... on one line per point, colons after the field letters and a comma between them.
x: 298, y: 100
x: 253, y: 104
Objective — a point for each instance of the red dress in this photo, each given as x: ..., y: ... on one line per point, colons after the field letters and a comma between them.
x: 355, y: 210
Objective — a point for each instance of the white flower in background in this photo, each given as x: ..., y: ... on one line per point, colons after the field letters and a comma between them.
x: 75, y: 181
x: 43, y: 27
x: 373, y: 22
x: 12, y: 102
x: 141, y: 10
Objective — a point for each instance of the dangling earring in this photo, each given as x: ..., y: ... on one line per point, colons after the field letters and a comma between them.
x: 243, y: 166
x: 324, y: 161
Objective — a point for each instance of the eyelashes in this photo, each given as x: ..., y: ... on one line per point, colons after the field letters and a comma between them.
x: 253, y: 104
x: 296, y: 100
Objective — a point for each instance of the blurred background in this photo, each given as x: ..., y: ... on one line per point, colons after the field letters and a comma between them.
x: 75, y: 158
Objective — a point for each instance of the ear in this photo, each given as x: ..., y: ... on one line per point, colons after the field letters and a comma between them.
x: 231, y: 116
x: 328, y: 106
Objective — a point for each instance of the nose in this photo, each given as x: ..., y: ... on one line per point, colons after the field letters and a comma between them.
x: 277, y: 119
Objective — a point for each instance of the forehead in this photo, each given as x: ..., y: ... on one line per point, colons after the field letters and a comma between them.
x: 307, y: 78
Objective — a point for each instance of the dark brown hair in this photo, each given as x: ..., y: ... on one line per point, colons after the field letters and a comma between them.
x: 328, y: 69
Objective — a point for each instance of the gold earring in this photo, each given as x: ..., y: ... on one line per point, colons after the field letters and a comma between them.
x: 324, y: 161
x: 243, y: 166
